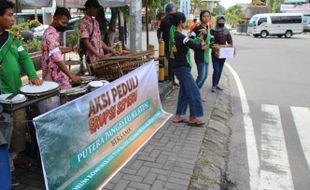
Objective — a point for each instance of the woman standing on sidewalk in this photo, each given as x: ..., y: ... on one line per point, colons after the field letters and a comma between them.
x: 202, y: 57
x: 189, y: 92
x: 221, y: 36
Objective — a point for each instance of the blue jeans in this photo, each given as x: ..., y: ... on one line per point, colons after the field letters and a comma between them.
x: 202, y: 74
x: 218, y: 65
x: 188, y: 94
x: 5, y: 174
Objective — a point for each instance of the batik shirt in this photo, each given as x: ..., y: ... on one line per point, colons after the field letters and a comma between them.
x: 89, y: 28
x: 51, y: 54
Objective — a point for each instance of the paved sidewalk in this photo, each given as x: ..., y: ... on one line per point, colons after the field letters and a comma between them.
x: 168, y: 160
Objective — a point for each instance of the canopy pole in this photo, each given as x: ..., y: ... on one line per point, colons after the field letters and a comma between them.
x: 16, y: 11
x: 147, y: 24
x: 36, y: 13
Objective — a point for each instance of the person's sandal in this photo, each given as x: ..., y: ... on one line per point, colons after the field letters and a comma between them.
x: 196, y: 124
x: 14, y: 181
x: 182, y: 120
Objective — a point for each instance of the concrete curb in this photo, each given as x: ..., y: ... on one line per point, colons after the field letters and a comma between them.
x: 211, y: 164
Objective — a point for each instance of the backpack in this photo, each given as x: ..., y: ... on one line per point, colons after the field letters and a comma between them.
x: 83, y: 49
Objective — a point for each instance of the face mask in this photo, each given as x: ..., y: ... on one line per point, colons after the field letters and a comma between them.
x: 61, y: 28
x: 220, y: 25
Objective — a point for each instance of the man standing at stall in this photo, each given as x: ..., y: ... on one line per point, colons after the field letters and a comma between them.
x: 13, y: 57
x: 163, y: 34
x: 53, y: 66
x: 91, y: 35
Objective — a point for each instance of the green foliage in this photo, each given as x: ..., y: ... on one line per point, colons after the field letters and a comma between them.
x: 19, y: 27
x: 125, y: 11
x: 275, y: 5
x: 234, y: 15
x: 32, y: 46
x: 236, y: 10
x: 153, y: 5
x: 34, y: 23
x: 219, y: 10
x: 26, y: 26
x: 73, y: 38
x: 232, y: 19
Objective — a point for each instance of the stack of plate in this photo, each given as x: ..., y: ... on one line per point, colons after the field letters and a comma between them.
x: 97, y: 84
x: 11, y: 99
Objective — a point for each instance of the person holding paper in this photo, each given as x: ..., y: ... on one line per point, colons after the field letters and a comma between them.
x: 221, y: 35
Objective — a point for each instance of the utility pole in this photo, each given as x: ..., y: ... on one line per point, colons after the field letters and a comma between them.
x: 135, y: 25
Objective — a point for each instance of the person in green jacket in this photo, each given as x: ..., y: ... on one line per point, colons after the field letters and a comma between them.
x: 13, y: 58
x: 202, y: 57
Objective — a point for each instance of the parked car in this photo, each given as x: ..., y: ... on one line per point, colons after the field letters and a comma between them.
x: 306, y: 22
x: 74, y: 23
x: 27, y: 35
x: 38, y: 31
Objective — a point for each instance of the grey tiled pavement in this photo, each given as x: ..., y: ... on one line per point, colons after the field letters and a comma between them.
x: 167, y: 161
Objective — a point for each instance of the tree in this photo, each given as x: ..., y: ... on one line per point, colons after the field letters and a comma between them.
x: 153, y: 7
x: 234, y: 15
x: 195, y: 4
x: 236, y: 10
x: 218, y: 10
x: 275, y: 5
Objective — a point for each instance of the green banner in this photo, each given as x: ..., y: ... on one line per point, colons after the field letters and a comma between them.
x: 86, y: 141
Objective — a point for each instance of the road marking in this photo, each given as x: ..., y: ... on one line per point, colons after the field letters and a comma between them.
x: 275, y: 169
x: 252, y: 153
x: 302, y: 122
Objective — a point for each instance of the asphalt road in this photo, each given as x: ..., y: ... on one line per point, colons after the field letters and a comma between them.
x: 275, y: 74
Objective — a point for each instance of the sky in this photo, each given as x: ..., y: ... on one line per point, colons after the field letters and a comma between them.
x: 228, y: 3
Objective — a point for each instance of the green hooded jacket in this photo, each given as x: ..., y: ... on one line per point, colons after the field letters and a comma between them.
x: 173, y: 48
x: 13, y: 57
x: 207, y: 39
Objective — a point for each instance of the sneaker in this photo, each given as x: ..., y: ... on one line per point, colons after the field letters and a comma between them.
x: 213, y: 89
x: 219, y: 88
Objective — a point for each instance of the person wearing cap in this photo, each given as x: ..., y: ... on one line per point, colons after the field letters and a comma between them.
x: 221, y: 35
x: 164, y: 33
x: 91, y: 35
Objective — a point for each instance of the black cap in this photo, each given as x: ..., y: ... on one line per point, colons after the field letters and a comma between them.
x: 92, y: 3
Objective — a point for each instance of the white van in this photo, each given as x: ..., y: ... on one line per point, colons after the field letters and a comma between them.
x: 276, y: 24
x: 306, y: 22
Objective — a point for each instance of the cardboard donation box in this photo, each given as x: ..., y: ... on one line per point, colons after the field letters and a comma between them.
x: 224, y: 51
